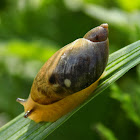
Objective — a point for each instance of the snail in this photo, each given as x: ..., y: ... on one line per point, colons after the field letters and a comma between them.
x: 68, y: 77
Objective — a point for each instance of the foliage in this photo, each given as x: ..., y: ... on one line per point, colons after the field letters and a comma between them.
x: 104, y: 132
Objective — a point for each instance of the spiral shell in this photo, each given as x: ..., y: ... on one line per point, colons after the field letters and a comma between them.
x: 71, y: 70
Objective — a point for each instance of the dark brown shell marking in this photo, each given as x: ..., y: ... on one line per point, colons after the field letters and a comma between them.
x: 82, y: 65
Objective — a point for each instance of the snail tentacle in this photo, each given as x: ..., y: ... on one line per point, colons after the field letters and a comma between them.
x: 21, y: 101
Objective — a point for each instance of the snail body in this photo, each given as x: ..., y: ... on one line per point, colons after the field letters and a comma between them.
x: 68, y: 77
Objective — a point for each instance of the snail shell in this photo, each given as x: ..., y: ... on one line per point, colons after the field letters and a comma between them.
x: 68, y: 77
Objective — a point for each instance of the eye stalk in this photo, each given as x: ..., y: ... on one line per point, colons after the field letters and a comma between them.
x: 98, y: 34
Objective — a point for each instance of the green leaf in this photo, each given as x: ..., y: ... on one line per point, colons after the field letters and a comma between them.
x: 129, y: 102
x: 119, y: 63
x: 104, y: 132
x: 25, y: 55
x: 113, y: 16
x: 27, y: 50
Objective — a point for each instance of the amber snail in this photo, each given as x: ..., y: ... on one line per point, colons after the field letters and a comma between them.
x: 68, y: 77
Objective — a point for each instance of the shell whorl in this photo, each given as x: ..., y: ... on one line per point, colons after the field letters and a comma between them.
x: 73, y: 68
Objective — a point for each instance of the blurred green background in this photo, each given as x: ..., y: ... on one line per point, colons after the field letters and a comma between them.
x: 32, y: 30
